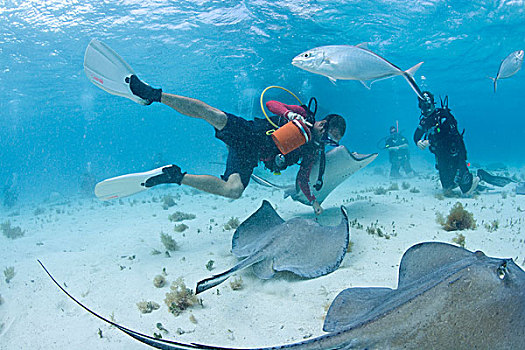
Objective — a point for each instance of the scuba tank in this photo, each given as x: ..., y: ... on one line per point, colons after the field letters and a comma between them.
x: 295, y: 133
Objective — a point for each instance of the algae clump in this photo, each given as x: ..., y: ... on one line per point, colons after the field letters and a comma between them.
x: 180, y: 298
x: 159, y: 281
x: 180, y: 228
x: 11, y: 231
x: 232, y: 224
x: 180, y: 216
x: 147, y: 307
x: 168, y: 241
x: 237, y: 283
x: 459, y: 219
x: 9, y: 273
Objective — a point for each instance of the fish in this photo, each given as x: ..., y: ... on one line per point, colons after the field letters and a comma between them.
x: 269, y: 244
x: 509, y: 66
x: 348, y: 62
x: 447, y: 297
x: 340, y: 164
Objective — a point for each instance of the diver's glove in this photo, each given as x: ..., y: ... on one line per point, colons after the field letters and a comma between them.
x: 171, y: 174
x: 143, y: 90
x: 292, y: 115
x: 422, y: 144
x: 296, y: 116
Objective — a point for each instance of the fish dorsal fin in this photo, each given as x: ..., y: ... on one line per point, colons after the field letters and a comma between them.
x: 253, y: 228
x: 352, y: 305
x: 425, y: 258
x: 363, y: 45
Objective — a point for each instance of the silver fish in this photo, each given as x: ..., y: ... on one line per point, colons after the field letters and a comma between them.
x: 348, y: 62
x: 447, y: 298
x: 509, y: 66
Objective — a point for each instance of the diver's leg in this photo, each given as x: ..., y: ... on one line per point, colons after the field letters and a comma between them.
x: 184, y: 105
x: 394, y: 169
x: 196, y: 109
x: 406, y: 166
x: 232, y: 188
x: 447, y: 173
x: 467, y: 182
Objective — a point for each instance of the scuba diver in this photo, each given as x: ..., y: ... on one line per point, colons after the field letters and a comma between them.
x: 397, y: 146
x: 10, y: 191
x: 438, y: 130
x: 299, y: 138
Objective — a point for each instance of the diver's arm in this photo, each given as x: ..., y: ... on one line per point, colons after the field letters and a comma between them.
x: 419, y: 133
x: 281, y: 109
x: 303, y: 180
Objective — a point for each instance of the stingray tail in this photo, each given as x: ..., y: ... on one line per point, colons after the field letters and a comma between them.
x: 143, y: 338
x: 215, y: 280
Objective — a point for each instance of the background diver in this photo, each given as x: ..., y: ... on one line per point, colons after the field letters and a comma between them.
x: 398, y: 153
x: 247, y: 141
x: 438, y: 130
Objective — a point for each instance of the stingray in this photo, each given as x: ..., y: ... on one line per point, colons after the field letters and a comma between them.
x: 447, y: 298
x: 269, y: 244
x: 340, y: 164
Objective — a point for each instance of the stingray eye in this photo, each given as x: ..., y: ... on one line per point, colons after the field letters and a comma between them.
x: 502, y: 271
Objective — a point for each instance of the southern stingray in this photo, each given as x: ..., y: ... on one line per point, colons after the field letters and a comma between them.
x: 447, y: 298
x: 269, y: 244
x: 340, y: 164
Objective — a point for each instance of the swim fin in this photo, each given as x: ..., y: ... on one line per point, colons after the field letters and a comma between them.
x: 129, y: 184
x: 494, y: 180
x: 107, y: 70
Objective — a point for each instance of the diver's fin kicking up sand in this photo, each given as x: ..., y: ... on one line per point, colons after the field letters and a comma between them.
x: 107, y: 70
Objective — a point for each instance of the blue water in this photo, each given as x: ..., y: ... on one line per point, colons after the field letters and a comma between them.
x: 54, y: 121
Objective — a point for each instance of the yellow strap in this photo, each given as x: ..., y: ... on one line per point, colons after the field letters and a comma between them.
x: 262, y: 105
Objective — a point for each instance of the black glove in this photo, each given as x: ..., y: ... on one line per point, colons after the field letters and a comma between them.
x: 143, y: 90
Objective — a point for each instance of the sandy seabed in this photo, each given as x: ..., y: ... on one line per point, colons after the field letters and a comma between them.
x: 102, y: 254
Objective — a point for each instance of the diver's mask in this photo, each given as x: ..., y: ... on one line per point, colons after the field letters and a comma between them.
x: 328, y: 140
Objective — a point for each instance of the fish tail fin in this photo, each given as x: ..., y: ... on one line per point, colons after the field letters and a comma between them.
x: 413, y: 84
x: 411, y: 71
x: 495, y: 80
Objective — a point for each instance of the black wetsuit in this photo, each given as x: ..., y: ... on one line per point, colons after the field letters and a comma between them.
x: 446, y: 142
x: 248, y: 143
x: 399, y: 157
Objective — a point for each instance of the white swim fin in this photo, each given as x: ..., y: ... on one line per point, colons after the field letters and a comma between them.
x: 124, y: 185
x: 107, y: 70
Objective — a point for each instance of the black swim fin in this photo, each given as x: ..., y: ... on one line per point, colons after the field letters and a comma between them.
x: 499, y: 181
